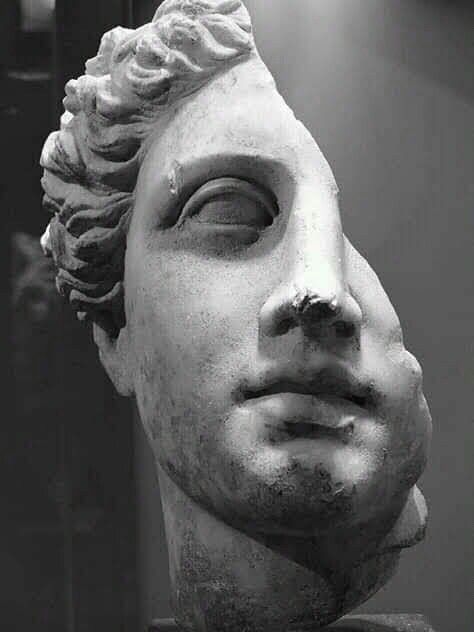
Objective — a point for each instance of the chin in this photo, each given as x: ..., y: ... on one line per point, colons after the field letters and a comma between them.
x: 299, y: 503
x: 308, y: 488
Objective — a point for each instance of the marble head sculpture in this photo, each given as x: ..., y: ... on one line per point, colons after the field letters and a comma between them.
x: 196, y: 226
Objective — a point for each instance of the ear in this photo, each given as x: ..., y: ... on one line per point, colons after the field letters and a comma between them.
x: 113, y: 353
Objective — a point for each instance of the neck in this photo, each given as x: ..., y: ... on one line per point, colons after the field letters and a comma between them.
x: 226, y: 579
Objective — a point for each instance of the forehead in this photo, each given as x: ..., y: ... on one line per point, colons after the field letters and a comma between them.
x: 239, y: 114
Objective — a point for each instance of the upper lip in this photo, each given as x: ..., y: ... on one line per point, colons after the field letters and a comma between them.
x: 329, y: 382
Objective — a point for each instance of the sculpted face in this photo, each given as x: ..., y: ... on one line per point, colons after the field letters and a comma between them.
x: 196, y: 225
x: 266, y: 359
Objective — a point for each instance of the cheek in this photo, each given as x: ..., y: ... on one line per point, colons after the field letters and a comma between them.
x: 379, y: 317
x: 383, y: 355
x: 194, y: 327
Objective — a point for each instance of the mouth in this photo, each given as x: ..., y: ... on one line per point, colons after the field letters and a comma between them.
x: 318, y: 389
x: 312, y: 430
x: 327, y: 406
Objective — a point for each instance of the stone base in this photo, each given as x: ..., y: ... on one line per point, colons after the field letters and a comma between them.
x: 163, y: 625
x: 382, y: 623
x: 361, y: 623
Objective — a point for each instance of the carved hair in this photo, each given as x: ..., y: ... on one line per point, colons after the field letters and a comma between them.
x: 91, y: 164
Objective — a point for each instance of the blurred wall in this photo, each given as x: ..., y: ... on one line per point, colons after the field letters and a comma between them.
x: 67, y: 533
x: 387, y: 89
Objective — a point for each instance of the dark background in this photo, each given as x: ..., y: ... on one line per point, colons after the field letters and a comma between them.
x: 387, y: 88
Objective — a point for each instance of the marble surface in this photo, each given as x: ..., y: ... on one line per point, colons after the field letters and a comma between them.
x: 362, y: 623
x: 264, y: 356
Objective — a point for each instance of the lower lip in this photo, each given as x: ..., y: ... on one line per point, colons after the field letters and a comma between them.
x: 308, y: 415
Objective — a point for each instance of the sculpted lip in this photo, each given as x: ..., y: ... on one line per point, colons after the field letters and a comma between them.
x: 330, y: 390
x: 333, y: 382
x: 326, y: 404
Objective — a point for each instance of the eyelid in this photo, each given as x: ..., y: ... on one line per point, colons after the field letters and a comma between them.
x: 222, y: 186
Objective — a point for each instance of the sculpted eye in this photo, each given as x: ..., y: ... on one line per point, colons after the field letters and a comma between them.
x: 231, y: 204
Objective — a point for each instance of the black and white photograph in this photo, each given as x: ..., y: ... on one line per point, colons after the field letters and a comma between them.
x: 239, y: 301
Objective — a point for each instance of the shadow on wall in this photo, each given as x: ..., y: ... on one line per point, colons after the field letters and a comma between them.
x: 431, y: 38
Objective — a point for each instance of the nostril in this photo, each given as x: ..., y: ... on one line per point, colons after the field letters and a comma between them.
x: 344, y: 329
x: 316, y: 313
x: 284, y: 326
x: 324, y: 311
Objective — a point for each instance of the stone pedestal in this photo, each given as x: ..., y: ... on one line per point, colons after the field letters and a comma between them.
x: 383, y: 623
x: 362, y: 623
